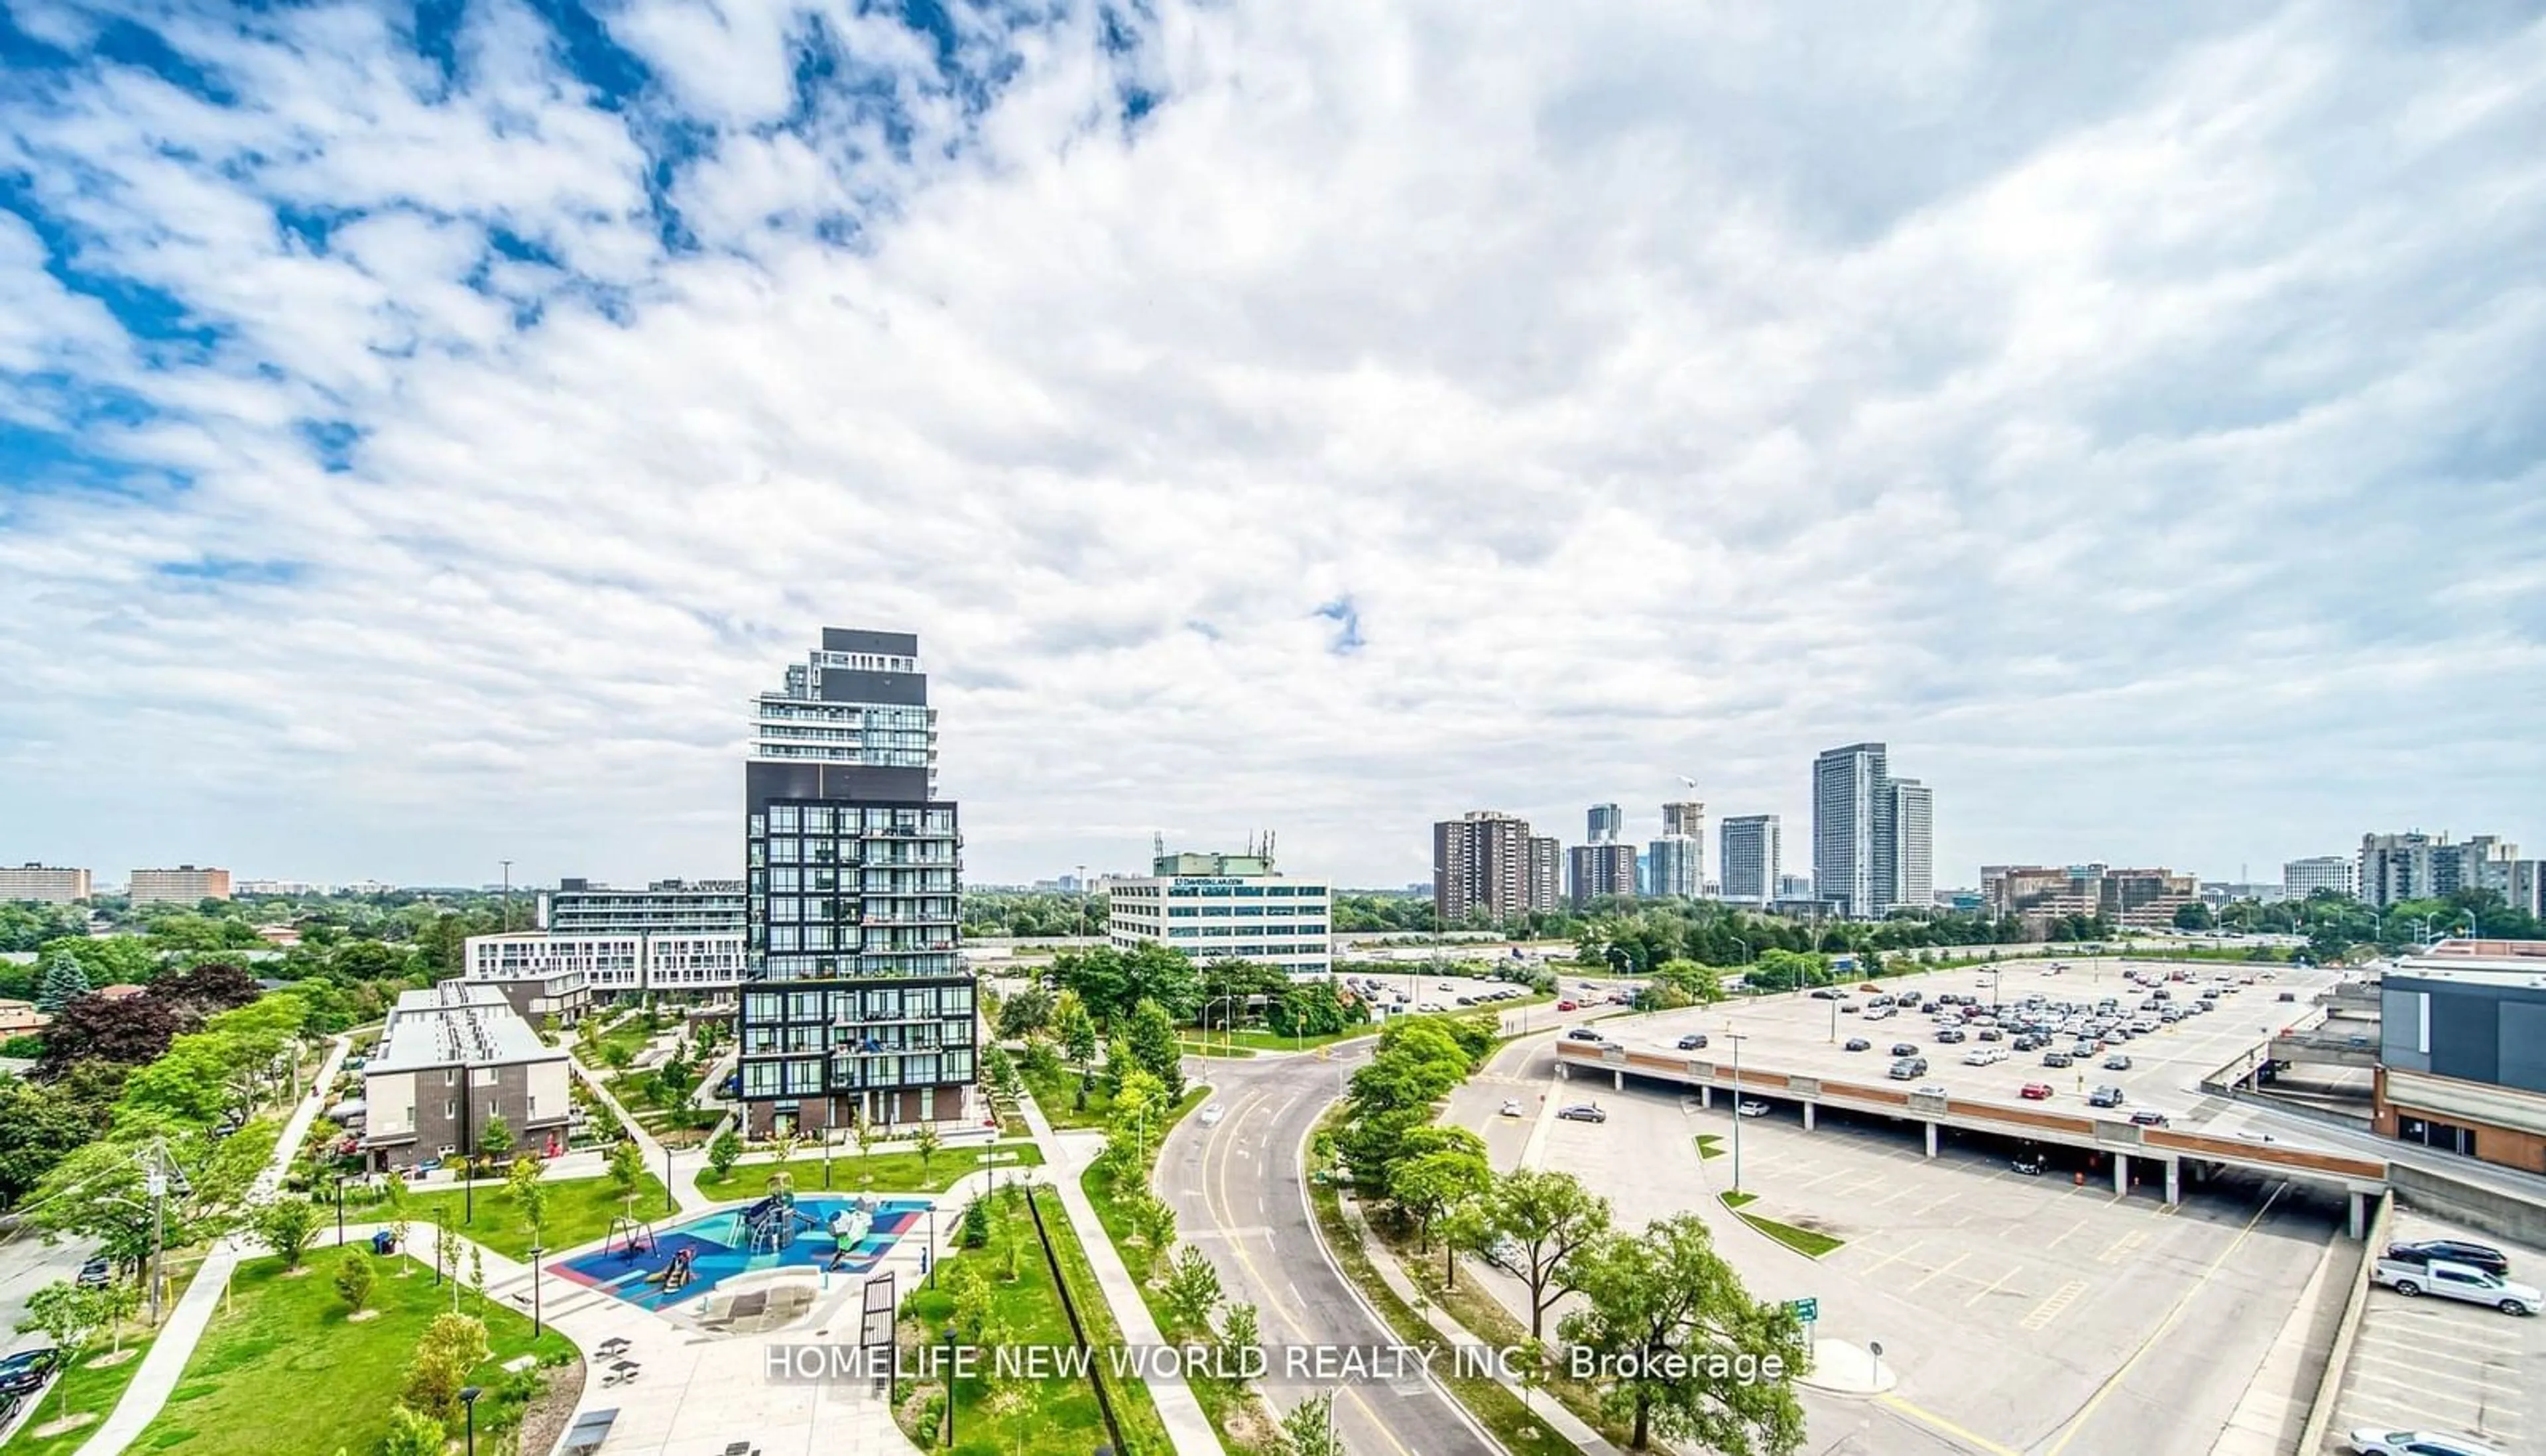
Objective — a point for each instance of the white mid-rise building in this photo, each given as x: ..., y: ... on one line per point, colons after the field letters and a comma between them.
x: 1226, y: 906
x: 612, y: 963
x: 2339, y: 873
x: 43, y: 884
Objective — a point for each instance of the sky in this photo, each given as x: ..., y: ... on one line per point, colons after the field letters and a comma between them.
x: 423, y: 431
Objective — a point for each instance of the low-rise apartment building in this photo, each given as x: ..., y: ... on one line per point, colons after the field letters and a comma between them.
x: 449, y: 1058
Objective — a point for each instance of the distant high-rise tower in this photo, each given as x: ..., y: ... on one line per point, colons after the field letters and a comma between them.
x: 1607, y: 823
x: 1852, y: 829
x: 1913, y: 856
x: 1676, y: 867
x: 1687, y: 816
x: 1600, y: 871
x: 1750, y: 859
x: 1488, y: 864
x: 855, y: 1007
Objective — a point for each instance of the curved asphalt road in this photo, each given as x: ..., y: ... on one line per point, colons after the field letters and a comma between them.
x: 1240, y: 1197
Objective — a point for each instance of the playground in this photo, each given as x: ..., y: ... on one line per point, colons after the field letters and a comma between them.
x: 825, y: 1232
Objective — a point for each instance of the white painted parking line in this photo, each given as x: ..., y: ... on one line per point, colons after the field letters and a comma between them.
x: 1925, y: 1209
x: 1993, y: 1286
x: 2482, y: 1380
x: 2432, y: 1345
x: 1896, y: 1256
x: 2122, y: 1247
x: 2417, y: 1391
x: 1945, y: 1267
x: 2049, y: 1310
x: 2414, y: 1332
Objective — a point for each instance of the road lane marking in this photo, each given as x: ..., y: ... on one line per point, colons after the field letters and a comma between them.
x: 1943, y: 1268
x: 2063, y: 1239
x: 1993, y: 1286
x: 1939, y: 1423
x: 2049, y: 1310
x: 2182, y: 1302
x: 1895, y: 1257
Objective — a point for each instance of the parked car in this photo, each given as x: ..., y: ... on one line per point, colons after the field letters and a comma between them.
x: 28, y: 1370
x: 1583, y: 1112
x: 1566, y: 1006
x: 2374, y: 1442
x: 1693, y: 1042
x: 2035, y: 1091
x: 2117, y: 1062
x: 1582, y: 1034
x: 96, y: 1273
x: 1904, y: 1049
x: 2149, y: 1117
x: 1932, y: 1089
x: 2456, y: 1281
x: 2105, y: 1096
x: 2057, y: 1059
x: 2457, y: 1251
x: 2287, y: 995
x: 1511, y: 1107
x: 1859, y: 1043
x: 1752, y: 1109
x: 2031, y: 1164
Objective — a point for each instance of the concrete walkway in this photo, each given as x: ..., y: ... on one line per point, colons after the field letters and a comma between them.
x: 165, y: 1364
x: 681, y: 1181
x: 1187, y: 1427
x: 2274, y: 1411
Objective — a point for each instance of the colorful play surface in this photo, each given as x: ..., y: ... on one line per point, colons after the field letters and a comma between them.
x: 838, y: 1235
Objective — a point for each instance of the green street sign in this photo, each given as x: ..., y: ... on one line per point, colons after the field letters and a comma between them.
x: 1806, y: 1310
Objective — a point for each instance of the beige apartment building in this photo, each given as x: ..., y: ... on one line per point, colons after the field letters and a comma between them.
x: 43, y: 884
x: 183, y: 886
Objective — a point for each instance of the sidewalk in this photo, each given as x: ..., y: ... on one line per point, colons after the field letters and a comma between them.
x: 1393, y: 1275
x: 2274, y: 1411
x: 683, y: 1182
x: 165, y: 1364
x: 1187, y: 1427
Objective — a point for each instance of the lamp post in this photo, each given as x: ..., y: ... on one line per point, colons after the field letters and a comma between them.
x: 950, y: 1384
x: 932, y: 1244
x: 536, y: 1321
x: 1737, y: 1039
x: 340, y: 1210
x: 468, y: 1394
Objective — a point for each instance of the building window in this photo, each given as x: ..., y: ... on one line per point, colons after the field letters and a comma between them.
x: 450, y: 1107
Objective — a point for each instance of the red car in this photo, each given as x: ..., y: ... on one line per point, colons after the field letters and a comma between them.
x: 2035, y: 1091
x: 1566, y: 1006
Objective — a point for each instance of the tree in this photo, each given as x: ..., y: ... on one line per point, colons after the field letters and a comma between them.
x: 401, y: 1214
x: 529, y: 1195
x: 1547, y: 1217
x: 1119, y: 1060
x: 1078, y: 1032
x: 972, y: 1296
x: 975, y: 1230
x: 725, y: 1150
x: 1154, y: 1219
x: 411, y: 1432
x: 38, y: 1128
x: 1154, y: 1048
x: 1670, y: 1319
x: 494, y: 1145
x: 1702, y: 984
x: 1309, y: 1428
x: 206, y: 991
x: 354, y: 1280
x: 59, y: 980
x: 926, y: 1144
x: 1431, y: 1185
x: 288, y: 1224
x: 2194, y: 915
x: 1137, y: 1112
x: 1240, y: 1335
x: 1025, y: 1012
x: 1192, y: 1291
x: 68, y: 1316
x: 450, y: 1347
x: 627, y: 1164
x: 127, y: 1031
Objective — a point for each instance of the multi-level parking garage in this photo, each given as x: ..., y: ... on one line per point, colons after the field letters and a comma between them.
x: 1791, y: 1053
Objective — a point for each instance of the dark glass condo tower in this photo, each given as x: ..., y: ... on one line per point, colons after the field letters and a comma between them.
x: 855, y: 1001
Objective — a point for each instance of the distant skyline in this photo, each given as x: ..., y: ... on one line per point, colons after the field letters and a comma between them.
x: 419, y: 439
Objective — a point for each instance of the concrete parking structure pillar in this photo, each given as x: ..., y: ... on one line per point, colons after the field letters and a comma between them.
x: 2359, y: 1215
x: 2121, y: 1174
x: 1808, y: 1117
x: 2174, y: 1180
x: 1617, y: 1082
x: 1931, y: 1139
x: 1706, y: 1097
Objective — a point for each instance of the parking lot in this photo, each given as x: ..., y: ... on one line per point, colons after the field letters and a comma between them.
x: 2438, y: 1364
x: 1796, y: 1034
x: 2021, y: 1312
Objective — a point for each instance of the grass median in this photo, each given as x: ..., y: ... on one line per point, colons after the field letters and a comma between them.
x: 579, y: 1211
x: 851, y: 1171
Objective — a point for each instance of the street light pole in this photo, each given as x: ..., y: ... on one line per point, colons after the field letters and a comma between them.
x: 950, y: 1386
x: 1737, y: 1039
x: 535, y: 1320
x: 468, y: 1394
x: 340, y: 1210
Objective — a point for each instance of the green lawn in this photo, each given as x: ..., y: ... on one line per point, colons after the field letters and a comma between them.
x: 283, y: 1372
x: 1802, y: 1241
x: 1000, y: 1417
x: 1709, y: 1144
x: 579, y: 1211
x: 892, y: 1172
x: 1143, y: 1428
x: 1058, y: 1096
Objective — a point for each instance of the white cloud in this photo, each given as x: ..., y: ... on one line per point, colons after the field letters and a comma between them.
x: 2133, y: 427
